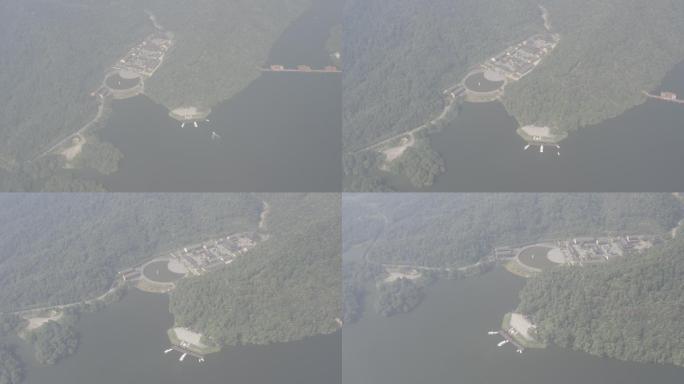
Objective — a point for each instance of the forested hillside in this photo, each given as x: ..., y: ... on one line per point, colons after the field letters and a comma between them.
x: 610, y: 52
x: 11, y: 367
x: 75, y: 244
x: 401, y: 54
x: 455, y: 230
x: 285, y: 289
x: 53, y: 54
x: 219, y: 47
x: 11, y: 370
x: 55, y: 340
x: 630, y: 309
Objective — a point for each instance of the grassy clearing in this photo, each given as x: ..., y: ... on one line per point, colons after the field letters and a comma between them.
x: 154, y: 287
x: 518, y: 269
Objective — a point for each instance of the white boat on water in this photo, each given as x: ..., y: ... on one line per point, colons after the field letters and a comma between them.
x: 182, y: 357
x: 168, y: 350
x: 196, y: 125
x: 502, y: 343
x: 492, y: 333
x: 526, y: 147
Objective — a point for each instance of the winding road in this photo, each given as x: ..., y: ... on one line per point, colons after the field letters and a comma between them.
x: 103, y: 100
x: 79, y: 133
x: 116, y: 285
x: 450, y: 102
x: 367, y: 259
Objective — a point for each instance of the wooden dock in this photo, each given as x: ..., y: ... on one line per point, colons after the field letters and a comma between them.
x: 511, y: 340
x: 300, y: 69
x: 665, y: 96
x: 541, y: 145
x: 182, y: 350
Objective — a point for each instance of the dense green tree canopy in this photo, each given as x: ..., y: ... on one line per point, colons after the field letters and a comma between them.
x: 220, y: 45
x: 399, y: 296
x: 56, y: 53
x: 454, y: 230
x: 401, y: 54
x: 54, y: 341
x: 11, y: 370
x: 629, y: 309
x: 610, y: 52
x: 286, y: 288
x: 75, y: 244
x: 55, y: 56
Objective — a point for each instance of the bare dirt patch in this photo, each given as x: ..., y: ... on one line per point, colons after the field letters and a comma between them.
x: 398, y: 273
x: 37, y: 322
x: 522, y: 325
x: 394, y: 153
x: 534, y: 130
x: 556, y: 256
x: 71, y: 152
x: 176, y: 266
x: 188, y: 336
x: 189, y: 113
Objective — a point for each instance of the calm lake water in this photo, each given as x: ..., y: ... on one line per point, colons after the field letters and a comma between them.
x: 281, y: 134
x: 639, y: 151
x: 125, y: 344
x: 445, y: 341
